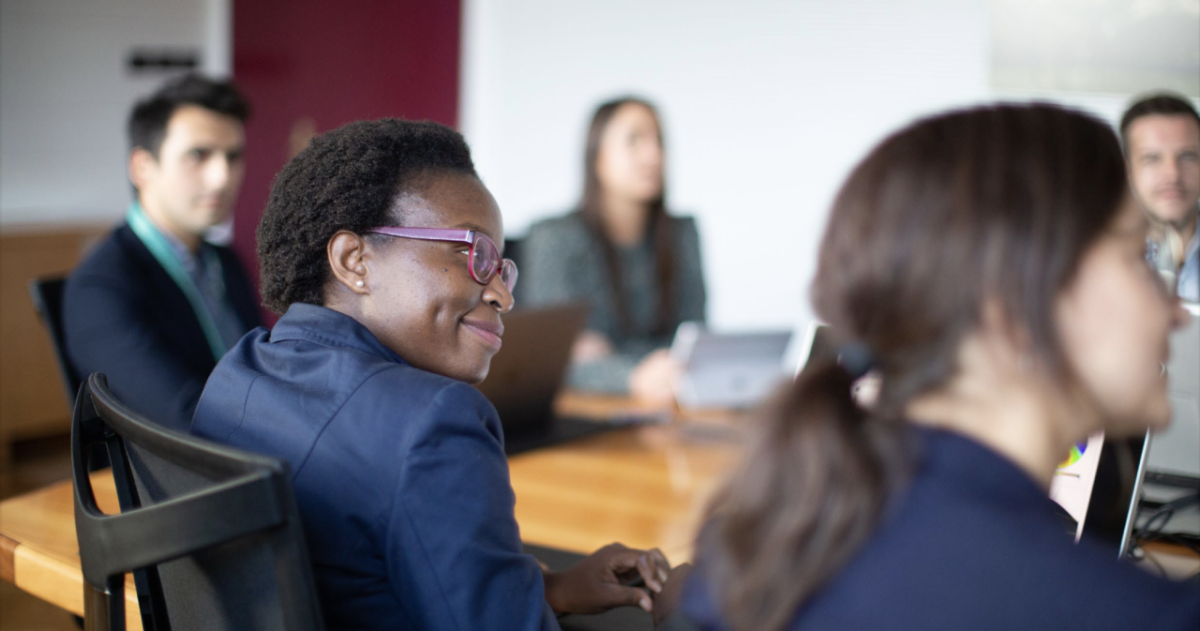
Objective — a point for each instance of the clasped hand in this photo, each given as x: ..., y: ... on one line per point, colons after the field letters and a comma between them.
x: 603, y: 580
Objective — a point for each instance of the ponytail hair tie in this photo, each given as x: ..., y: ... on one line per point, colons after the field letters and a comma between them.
x: 855, y: 359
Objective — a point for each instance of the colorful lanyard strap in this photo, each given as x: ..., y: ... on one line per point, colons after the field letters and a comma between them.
x: 161, y: 249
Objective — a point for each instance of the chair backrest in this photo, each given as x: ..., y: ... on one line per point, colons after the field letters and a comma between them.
x: 211, y: 533
x: 47, y: 295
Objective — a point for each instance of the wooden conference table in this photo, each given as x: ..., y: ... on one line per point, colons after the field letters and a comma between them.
x: 644, y: 486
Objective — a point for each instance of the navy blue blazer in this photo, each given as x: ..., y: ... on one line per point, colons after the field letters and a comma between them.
x: 399, y: 474
x: 124, y: 316
x: 977, y: 544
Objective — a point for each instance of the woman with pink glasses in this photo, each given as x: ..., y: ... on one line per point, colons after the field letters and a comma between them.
x: 379, y: 247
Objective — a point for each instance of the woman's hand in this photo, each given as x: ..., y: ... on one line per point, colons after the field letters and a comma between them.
x: 589, y: 347
x: 653, y: 380
x: 595, y: 584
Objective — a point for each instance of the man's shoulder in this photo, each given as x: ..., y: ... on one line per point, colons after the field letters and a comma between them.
x: 116, y: 253
x: 118, y: 263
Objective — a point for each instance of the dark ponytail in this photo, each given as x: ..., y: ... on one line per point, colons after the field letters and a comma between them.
x: 811, y: 488
x: 993, y: 205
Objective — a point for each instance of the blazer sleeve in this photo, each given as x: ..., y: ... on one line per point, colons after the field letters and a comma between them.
x: 108, y: 330
x: 454, y: 549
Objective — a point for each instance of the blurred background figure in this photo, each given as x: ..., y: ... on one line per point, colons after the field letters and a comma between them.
x: 1161, y: 133
x: 989, y: 264
x: 155, y: 306
x: 637, y: 266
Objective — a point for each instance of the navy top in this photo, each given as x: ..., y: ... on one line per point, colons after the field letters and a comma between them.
x: 974, y: 543
x: 124, y: 316
x: 399, y: 474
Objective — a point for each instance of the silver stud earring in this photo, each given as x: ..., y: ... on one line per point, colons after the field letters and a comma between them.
x: 360, y: 283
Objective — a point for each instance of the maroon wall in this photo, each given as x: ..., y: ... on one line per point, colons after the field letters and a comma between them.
x: 335, y: 62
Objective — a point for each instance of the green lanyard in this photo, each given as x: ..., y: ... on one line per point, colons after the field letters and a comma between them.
x: 161, y: 249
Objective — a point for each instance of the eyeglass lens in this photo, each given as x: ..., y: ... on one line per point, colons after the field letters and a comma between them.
x: 486, y: 262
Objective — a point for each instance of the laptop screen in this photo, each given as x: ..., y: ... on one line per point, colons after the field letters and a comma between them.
x: 1098, y: 485
x: 1175, y: 455
x: 1075, y: 478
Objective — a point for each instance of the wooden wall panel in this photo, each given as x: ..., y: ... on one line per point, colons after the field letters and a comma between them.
x: 32, y: 403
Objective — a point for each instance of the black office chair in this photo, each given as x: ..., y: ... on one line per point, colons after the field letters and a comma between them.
x: 212, y: 534
x: 47, y: 294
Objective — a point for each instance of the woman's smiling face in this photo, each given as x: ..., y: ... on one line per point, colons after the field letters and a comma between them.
x: 422, y: 302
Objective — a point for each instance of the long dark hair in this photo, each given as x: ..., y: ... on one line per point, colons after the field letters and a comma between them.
x: 996, y: 202
x: 658, y: 224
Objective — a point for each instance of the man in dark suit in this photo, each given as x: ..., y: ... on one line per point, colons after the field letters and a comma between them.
x: 155, y: 305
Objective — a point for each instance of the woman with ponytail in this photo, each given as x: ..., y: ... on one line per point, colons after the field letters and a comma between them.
x: 986, y: 264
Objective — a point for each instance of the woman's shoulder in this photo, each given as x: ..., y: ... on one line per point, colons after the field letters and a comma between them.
x: 552, y: 240
x: 415, y: 389
x: 683, y: 221
x: 570, y: 223
x: 684, y: 227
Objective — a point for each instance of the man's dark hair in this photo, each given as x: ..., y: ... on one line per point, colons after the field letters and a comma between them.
x: 148, y: 120
x: 1164, y: 103
x: 346, y: 179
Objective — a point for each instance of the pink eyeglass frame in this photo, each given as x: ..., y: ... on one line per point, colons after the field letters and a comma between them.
x: 458, y: 236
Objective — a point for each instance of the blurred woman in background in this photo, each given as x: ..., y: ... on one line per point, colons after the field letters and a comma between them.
x: 989, y: 264
x: 637, y: 266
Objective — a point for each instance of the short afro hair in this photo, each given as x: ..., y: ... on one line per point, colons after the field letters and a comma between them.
x: 148, y: 121
x: 346, y: 179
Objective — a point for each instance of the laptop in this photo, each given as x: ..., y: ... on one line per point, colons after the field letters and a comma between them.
x: 527, y: 373
x: 1099, y: 485
x: 1175, y: 456
x: 818, y: 344
x: 1173, y: 466
x: 727, y: 370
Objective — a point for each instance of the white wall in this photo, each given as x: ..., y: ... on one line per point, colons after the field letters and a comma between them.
x: 65, y: 94
x: 766, y: 106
